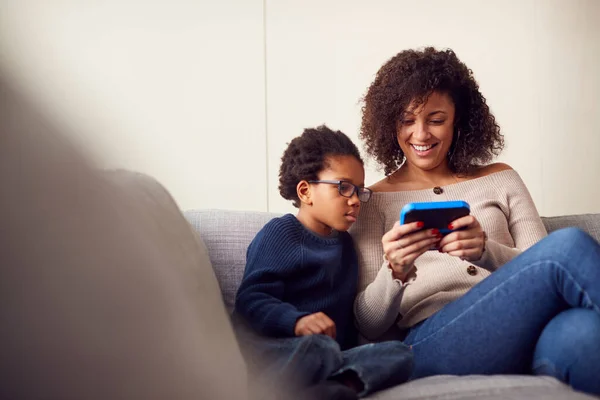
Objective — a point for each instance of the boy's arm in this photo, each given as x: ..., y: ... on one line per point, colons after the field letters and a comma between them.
x: 259, y: 299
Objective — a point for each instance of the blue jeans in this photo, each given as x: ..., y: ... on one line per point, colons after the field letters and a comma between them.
x: 308, y: 360
x: 539, y: 313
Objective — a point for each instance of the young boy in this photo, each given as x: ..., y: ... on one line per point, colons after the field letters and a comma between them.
x: 301, y: 277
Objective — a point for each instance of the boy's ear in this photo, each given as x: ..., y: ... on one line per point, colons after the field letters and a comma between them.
x: 303, y: 192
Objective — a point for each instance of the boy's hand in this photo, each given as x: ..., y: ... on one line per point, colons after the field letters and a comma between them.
x: 314, y: 324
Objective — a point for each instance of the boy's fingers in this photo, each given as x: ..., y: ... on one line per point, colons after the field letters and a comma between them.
x: 330, y: 332
x: 321, y: 325
x: 327, y: 324
x: 313, y: 329
x: 331, y: 326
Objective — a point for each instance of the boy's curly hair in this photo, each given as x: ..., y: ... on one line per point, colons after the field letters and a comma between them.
x: 411, y: 76
x: 306, y: 156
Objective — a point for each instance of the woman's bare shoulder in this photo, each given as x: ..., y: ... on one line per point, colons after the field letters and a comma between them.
x: 381, y: 186
x: 492, y: 169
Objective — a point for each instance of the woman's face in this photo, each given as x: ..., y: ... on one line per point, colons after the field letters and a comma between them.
x: 425, y: 133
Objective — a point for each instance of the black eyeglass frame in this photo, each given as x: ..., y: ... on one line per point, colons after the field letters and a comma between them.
x: 355, y: 189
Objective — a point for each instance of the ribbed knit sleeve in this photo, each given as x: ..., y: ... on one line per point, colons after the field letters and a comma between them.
x: 377, y: 307
x: 377, y: 303
x: 525, y: 227
x: 270, y: 260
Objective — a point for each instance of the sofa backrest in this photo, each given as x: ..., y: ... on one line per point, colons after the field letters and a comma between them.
x: 589, y: 223
x: 227, y: 235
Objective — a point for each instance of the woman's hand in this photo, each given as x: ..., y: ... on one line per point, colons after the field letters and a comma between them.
x: 315, y: 324
x: 403, y: 244
x: 468, y: 243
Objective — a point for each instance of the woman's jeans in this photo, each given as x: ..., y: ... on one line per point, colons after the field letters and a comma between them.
x: 308, y: 360
x: 539, y: 313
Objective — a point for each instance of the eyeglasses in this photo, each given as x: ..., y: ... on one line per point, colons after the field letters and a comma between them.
x: 347, y: 189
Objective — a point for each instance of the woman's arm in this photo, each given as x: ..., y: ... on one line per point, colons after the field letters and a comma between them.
x: 524, y: 224
x: 378, y: 301
x: 377, y: 307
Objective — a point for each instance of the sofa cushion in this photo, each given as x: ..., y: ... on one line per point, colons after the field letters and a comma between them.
x: 180, y: 253
x: 471, y: 387
x: 589, y: 223
x: 227, y: 235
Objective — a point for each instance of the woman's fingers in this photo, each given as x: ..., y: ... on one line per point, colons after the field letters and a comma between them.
x: 403, y: 244
x: 398, y: 231
x: 461, y: 245
x: 464, y: 222
x: 416, y: 237
x: 468, y: 243
x: 402, y: 259
x: 471, y: 233
x: 466, y: 254
x: 409, y: 239
x: 416, y: 243
x: 419, y: 247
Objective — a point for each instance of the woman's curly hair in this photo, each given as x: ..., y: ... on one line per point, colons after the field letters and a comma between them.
x: 409, y: 78
x: 306, y: 156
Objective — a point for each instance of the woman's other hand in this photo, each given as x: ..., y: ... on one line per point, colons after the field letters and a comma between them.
x: 403, y: 244
x: 467, y: 241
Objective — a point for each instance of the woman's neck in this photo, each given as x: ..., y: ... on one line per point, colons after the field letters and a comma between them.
x: 438, y: 176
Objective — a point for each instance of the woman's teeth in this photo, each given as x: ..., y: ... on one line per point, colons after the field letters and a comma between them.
x: 422, y: 148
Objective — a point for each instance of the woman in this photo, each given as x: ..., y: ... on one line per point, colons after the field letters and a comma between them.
x: 427, y: 124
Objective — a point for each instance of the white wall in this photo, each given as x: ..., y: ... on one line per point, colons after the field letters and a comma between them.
x: 174, y: 89
x: 149, y: 86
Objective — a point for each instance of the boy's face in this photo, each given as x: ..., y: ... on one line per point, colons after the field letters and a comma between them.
x: 329, y: 209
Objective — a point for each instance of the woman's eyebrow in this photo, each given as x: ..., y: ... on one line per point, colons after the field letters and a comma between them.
x: 411, y: 114
x: 436, y: 112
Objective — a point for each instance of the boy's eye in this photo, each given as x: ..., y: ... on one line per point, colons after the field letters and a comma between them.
x: 346, y: 188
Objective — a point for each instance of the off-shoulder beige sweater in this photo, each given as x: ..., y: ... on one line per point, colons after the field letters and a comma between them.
x: 504, y: 208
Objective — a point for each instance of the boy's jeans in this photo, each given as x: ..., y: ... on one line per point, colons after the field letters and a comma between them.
x: 308, y: 360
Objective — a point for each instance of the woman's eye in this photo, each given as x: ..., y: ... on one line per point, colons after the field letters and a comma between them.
x: 437, y: 121
x: 407, y: 121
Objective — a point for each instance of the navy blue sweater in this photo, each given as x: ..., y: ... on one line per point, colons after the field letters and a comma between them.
x: 292, y: 272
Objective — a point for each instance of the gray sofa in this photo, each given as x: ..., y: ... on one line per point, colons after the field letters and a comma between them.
x: 228, y: 233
